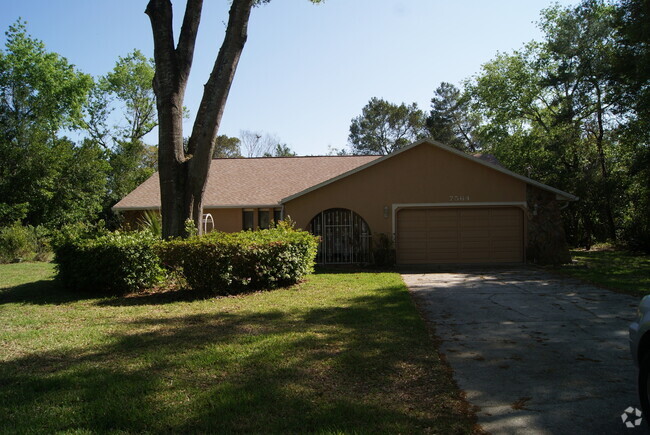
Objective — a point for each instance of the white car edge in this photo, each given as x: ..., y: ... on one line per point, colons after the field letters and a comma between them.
x: 640, y: 347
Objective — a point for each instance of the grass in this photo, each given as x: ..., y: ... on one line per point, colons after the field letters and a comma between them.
x: 613, y: 269
x: 340, y: 353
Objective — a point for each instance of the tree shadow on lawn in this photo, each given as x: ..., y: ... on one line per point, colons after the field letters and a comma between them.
x: 171, y: 295
x: 157, y: 297
x: 366, y: 367
x: 43, y: 292
x: 53, y: 292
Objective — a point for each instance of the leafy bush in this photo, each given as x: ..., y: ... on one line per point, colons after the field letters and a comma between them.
x: 42, y: 243
x: 24, y: 243
x: 78, y: 231
x: 230, y: 262
x: 190, y: 228
x: 96, y: 260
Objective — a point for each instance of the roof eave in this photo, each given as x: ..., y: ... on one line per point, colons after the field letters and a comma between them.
x: 207, y: 206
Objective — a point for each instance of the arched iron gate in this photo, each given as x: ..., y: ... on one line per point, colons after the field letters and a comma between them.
x: 345, y: 237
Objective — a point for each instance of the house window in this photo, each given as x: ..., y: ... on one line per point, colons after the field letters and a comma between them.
x: 247, y: 220
x: 277, y: 215
x: 263, y: 217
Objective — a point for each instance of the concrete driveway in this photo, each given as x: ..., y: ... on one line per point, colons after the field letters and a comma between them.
x: 533, y: 352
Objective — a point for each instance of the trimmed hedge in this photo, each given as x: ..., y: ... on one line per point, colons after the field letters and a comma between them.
x: 229, y: 262
x: 108, y: 262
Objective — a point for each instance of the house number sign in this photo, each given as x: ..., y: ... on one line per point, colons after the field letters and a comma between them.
x: 455, y: 198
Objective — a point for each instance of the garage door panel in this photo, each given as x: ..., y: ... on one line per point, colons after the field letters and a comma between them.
x: 505, y: 244
x: 505, y: 257
x: 475, y: 244
x: 443, y: 221
x: 474, y: 233
x: 441, y: 259
x: 414, y: 255
x: 474, y: 222
x: 460, y: 235
x: 501, y: 212
x: 410, y: 220
x: 479, y: 212
x: 446, y: 246
x: 442, y: 236
x: 475, y: 255
x: 506, y: 233
x: 414, y: 234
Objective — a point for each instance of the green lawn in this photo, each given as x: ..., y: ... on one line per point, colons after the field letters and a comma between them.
x: 340, y: 353
x: 613, y: 269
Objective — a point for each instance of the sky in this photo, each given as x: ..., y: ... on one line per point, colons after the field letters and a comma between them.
x: 306, y: 70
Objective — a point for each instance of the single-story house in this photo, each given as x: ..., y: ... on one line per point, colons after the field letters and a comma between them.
x: 437, y: 205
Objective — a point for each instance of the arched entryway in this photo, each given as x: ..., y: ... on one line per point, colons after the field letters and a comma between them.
x: 345, y: 237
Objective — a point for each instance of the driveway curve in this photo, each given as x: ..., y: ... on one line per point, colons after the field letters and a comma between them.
x: 533, y: 352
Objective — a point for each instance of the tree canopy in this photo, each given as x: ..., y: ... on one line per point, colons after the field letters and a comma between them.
x: 44, y: 178
x: 385, y: 127
x: 226, y: 147
x: 450, y: 120
x: 127, y: 89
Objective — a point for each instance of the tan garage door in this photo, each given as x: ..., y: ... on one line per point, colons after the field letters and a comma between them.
x: 460, y: 235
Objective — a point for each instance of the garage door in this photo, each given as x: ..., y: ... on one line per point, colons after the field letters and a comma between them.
x: 459, y: 235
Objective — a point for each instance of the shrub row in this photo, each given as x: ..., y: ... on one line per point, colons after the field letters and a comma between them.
x: 108, y: 262
x: 97, y: 260
x: 230, y: 262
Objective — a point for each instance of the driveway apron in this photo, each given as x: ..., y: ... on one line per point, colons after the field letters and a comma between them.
x: 533, y: 352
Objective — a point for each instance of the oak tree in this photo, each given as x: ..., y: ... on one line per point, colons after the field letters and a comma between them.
x: 184, y: 172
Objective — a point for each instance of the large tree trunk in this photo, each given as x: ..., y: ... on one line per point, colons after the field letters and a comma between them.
x: 183, y: 175
x: 600, y: 135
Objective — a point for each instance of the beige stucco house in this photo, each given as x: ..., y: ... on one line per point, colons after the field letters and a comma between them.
x: 438, y: 205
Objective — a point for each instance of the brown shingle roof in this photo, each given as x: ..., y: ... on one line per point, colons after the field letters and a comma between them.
x: 252, y: 182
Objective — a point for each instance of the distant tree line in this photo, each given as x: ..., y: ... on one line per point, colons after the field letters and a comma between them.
x: 250, y: 144
x: 571, y: 110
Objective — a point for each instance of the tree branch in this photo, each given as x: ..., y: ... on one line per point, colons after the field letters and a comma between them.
x: 160, y: 15
x: 216, y: 90
x: 187, y: 38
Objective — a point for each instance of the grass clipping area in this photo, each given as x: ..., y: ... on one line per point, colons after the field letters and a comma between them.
x: 340, y: 353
